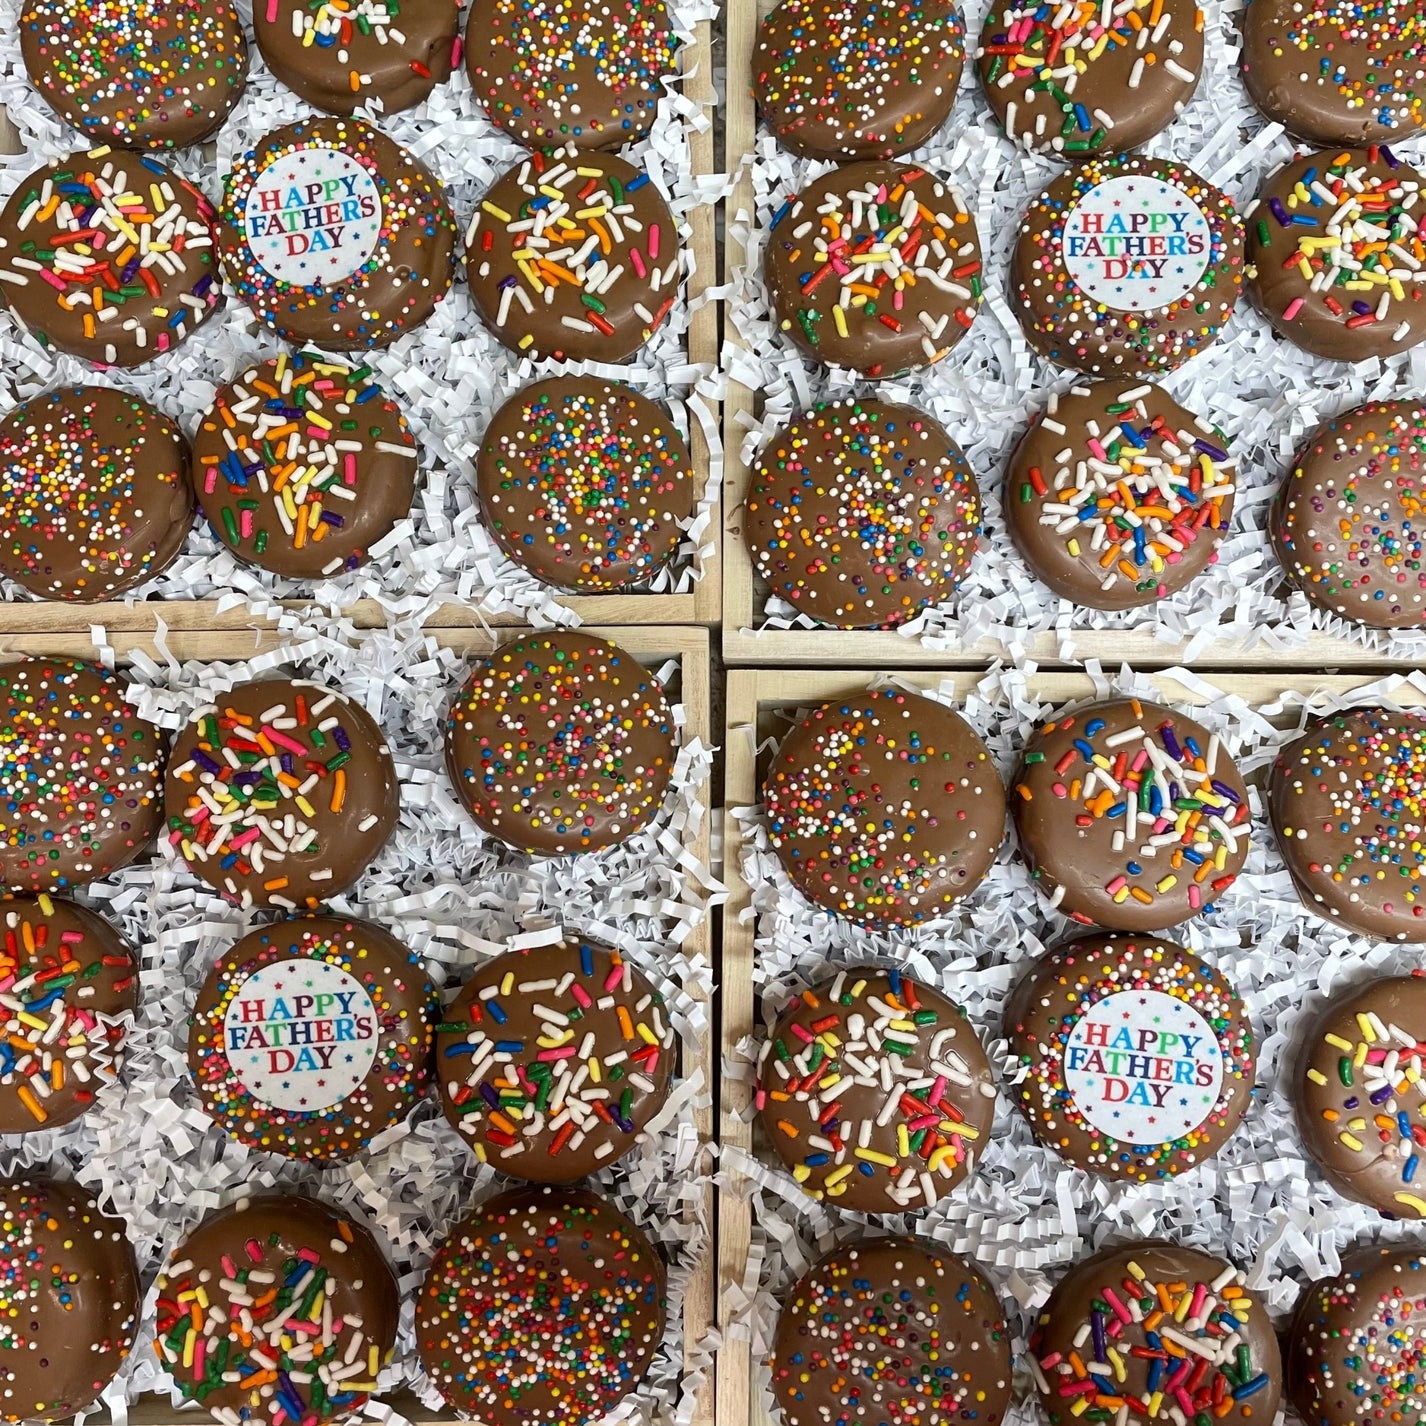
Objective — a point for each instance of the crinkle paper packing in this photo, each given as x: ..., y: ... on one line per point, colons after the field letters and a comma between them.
x: 1026, y: 1215
x: 454, y: 896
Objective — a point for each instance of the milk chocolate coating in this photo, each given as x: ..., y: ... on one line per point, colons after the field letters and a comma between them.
x: 318, y: 1076
x: 886, y: 808
x: 385, y: 263
x: 70, y: 1299
x: 80, y: 775
x: 343, y: 773
x: 1354, y: 1348
x: 585, y: 483
x: 1119, y: 77
x: 1147, y: 309
x: 71, y: 975
x: 863, y: 513
x: 1091, y: 1027
x: 857, y: 79
x: 393, y: 50
x: 1134, y: 1274
x: 882, y: 1038
x: 560, y: 743
x: 551, y: 76
x: 892, y: 1329
x: 1069, y: 813
x: 95, y: 496
x: 589, y: 317
x: 1337, y: 71
x: 1339, y: 240
x: 834, y: 318
x: 1359, y: 1100
x: 1128, y: 523
x: 563, y: 1119
x: 155, y: 74
x: 289, y: 495
x: 1345, y: 801
x: 289, y: 1251
x: 543, y: 1308
x: 170, y: 248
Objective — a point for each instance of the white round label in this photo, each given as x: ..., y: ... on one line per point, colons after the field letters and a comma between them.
x: 313, y: 215
x: 300, y: 1034
x: 1136, y: 243
x: 1143, y: 1067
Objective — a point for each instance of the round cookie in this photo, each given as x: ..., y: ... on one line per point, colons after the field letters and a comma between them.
x: 1359, y: 1096
x: 1354, y: 1348
x: 302, y: 464
x: 862, y: 513
x: 1125, y: 1310
x: 886, y: 809
x: 892, y: 1329
x: 1131, y: 816
x: 145, y: 74
x: 1117, y: 496
x: 68, y: 979
x: 310, y: 1037
x: 858, y: 79
x: 914, y: 1098
x: 95, y: 496
x: 573, y: 257
x: 903, y: 254
x: 229, y: 1295
x: 1320, y: 254
x: 339, y: 55
x: 335, y: 235
x: 1126, y: 265
x: 1347, y: 802
x: 552, y: 1060
x: 543, y: 1308
x: 1138, y: 1058
x: 1347, y: 526
x: 108, y: 256
x: 585, y: 483
x: 1089, y: 78
x: 552, y: 76
x: 560, y: 743
x: 304, y: 789
x: 80, y: 775
x: 1338, y: 71
x: 70, y: 1296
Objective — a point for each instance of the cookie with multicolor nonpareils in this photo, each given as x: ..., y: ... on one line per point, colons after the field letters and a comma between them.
x: 553, y: 1059
x: 1126, y: 265
x: 875, y: 267
x: 1148, y: 1330
x: 303, y: 463
x: 875, y: 1092
x: 1117, y: 496
x: 1138, y: 1058
x: 560, y: 743
x: 95, y: 495
x: 585, y: 483
x: 862, y: 513
x: 1089, y: 78
x: 335, y: 235
x: 108, y: 256
x: 310, y: 1037
x: 1347, y: 802
x: 573, y: 256
x: 886, y: 809
x: 857, y: 79
x: 279, y: 793
x: 498, y: 1343
x: 81, y: 775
